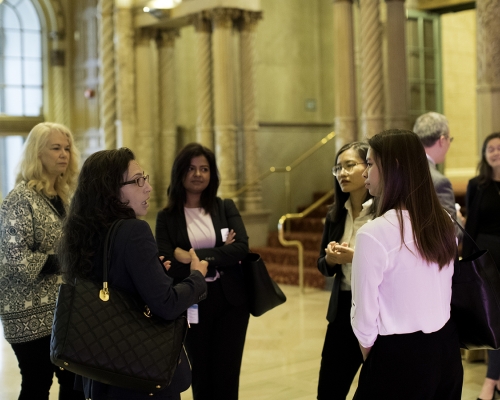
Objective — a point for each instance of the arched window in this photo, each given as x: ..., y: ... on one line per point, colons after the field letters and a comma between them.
x: 20, y: 59
x: 21, y: 82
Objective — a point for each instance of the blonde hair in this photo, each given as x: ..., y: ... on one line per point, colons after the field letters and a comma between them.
x: 31, y: 168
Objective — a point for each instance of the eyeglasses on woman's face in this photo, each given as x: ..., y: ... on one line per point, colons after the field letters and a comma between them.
x: 138, y: 181
x: 347, y: 167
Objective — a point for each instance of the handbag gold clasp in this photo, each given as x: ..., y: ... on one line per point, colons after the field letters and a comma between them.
x: 104, y: 292
x: 147, y: 312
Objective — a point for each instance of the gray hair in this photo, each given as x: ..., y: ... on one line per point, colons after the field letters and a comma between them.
x: 430, y: 127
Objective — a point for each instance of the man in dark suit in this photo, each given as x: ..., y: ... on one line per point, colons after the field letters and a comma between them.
x: 434, y: 134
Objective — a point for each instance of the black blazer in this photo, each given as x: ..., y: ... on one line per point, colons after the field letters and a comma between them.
x: 332, y: 232
x: 473, y: 199
x: 171, y: 232
x: 136, y: 268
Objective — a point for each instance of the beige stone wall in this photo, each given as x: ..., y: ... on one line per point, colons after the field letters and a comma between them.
x: 294, y: 46
x: 459, y: 93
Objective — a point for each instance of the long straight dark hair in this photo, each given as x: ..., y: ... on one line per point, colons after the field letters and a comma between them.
x: 337, y: 209
x: 485, y: 171
x: 176, y: 191
x: 407, y: 184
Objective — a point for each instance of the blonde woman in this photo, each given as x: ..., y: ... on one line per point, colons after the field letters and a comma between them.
x: 30, y: 227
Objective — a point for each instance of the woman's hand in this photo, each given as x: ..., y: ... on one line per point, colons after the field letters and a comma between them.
x: 196, y: 264
x: 338, y: 253
x: 166, y: 264
x: 182, y: 256
x: 230, y: 237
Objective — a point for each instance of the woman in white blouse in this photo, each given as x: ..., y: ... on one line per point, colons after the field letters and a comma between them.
x: 401, y: 280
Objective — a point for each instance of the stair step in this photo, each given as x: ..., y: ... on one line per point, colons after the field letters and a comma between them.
x: 314, y: 225
x: 310, y: 241
x: 289, y: 275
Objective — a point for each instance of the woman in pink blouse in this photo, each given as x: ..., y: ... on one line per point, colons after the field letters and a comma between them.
x: 401, y: 280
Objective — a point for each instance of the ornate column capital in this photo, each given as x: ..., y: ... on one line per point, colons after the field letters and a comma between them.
x: 249, y: 20
x: 223, y: 17
x: 201, y: 22
x: 166, y: 37
x: 144, y: 35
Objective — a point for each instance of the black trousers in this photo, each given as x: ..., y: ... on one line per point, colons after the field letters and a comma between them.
x: 341, y: 356
x: 37, y: 372
x: 413, y: 366
x: 215, y: 346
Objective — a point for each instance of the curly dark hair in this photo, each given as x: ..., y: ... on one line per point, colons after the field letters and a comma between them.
x: 94, y: 207
x: 177, y: 193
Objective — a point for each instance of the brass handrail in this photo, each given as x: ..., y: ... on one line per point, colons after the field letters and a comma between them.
x: 288, y: 168
x: 298, y: 243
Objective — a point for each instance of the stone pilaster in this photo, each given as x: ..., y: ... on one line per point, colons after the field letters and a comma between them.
x: 147, y: 118
x: 397, y: 82
x: 125, y: 75
x: 488, y: 68
x: 372, y: 74
x: 107, y: 89
x: 344, y: 73
x: 168, y: 123
x: 204, y: 94
x: 224, y: 98
x: 253, y: 196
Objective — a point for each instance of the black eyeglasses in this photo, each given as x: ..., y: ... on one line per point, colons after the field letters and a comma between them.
x: 348, y: 167
x: 138, y: 181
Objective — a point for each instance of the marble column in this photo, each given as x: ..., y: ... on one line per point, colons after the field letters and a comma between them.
x: 168, y: 123
x: 125, y: 77
x: 204, y: 94
x: 253, y: 196
x: 372, y: 73
x: 344, y: 73
x: 397, y: 82
x: 107, y: 88
x: 224, y: 99
x: 146, y: 93
x: 488, y: 68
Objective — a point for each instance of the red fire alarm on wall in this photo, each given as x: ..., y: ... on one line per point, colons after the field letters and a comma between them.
x: 89, y: 93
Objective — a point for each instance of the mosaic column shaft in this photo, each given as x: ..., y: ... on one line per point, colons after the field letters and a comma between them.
x: 397, y: 85
x: 224, y: 99
x: 344, y: 73
x: 253, y: 196
x: 125, y: 75
x: 204, y: 95
x: 372, y: 74
x: 168, y: 127
x: 107, y: 89
x: 488, y: 68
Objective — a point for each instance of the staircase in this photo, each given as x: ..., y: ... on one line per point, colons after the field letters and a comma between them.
x: 282, y: 262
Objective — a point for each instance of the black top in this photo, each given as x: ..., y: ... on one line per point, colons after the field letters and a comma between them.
x: 489, y: 210
x: 58, y: 205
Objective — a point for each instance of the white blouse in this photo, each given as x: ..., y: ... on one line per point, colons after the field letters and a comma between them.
x: 394, y: 290
x: 349, y: 236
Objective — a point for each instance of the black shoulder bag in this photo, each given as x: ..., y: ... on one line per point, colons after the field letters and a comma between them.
x: 475, y: 299
x: 110, y: 336
x: 263, y: 292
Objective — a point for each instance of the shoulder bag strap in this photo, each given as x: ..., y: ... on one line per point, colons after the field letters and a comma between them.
x: 108, y: 246
x: 476, y: 247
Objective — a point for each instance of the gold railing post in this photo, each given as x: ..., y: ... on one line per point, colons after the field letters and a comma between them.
x: 298, y: 243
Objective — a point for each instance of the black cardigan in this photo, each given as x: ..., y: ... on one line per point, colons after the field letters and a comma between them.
x: 332, y: 232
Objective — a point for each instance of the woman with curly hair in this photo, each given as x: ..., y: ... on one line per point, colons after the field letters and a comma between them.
x: 30, y: 227
x: 112, y: 186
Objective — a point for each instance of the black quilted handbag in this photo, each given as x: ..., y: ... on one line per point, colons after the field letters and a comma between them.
x: 110, y: 336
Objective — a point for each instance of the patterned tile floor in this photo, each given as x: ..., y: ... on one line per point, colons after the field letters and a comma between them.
x: 281, y: 359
